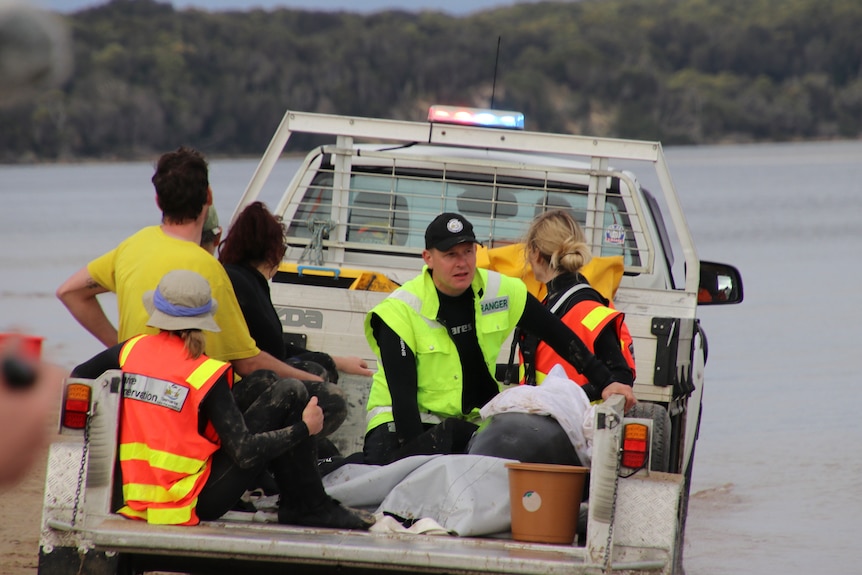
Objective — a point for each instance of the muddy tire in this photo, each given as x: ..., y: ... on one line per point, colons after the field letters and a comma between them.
x: 660, y: 460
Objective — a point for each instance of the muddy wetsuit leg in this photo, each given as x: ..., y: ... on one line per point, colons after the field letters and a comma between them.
x: 267, y: 404
x: 315, y: 362
x: 330, y: 397
x: 331, y: 400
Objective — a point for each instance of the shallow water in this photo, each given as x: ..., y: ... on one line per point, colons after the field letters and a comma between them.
x: 775, y: 484
x: 775, y: 478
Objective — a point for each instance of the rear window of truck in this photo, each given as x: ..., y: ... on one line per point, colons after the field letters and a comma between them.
x: 393, y: 208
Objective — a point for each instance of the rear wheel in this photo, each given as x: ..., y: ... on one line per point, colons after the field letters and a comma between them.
x: 660, y: 459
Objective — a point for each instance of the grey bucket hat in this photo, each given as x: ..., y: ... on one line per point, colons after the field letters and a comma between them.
x: 182, y: 300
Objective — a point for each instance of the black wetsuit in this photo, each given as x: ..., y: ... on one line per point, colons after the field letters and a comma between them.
x: 259, y: 423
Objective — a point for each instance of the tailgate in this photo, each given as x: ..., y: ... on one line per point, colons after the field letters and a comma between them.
x: 269, y: 543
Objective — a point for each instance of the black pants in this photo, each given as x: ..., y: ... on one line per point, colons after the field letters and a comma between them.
x: 268, y: 403
x: 450, y: 436
x: 315, y: 362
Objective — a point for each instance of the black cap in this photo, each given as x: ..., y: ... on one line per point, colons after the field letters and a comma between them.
x: 447, y: 230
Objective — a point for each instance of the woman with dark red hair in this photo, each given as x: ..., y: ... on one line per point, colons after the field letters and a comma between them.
x: 251, y: 254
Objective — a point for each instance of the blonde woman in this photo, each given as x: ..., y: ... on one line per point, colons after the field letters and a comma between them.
x: 557, y: 250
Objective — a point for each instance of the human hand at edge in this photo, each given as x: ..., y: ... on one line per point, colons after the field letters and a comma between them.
x: 621, y: 389
x: 352, y: 364
x: 25, y: 417
x: 312, y: 415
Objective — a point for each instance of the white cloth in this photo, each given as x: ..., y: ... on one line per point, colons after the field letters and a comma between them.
x: 425, y: 526
x: 557, y: 396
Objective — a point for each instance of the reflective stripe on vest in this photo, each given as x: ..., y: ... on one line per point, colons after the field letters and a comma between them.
x: 591, y: 323
x: 182, y: 515
x: 157, y: 494
x: 127, y: 349
x: 161, y: 459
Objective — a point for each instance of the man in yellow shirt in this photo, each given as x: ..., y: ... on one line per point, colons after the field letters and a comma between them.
x: 138, y: 263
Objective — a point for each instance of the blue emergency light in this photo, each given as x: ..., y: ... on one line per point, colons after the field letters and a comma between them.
x: 476, y: 117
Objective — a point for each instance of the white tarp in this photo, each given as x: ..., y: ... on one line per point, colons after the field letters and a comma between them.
x: 466, y: 494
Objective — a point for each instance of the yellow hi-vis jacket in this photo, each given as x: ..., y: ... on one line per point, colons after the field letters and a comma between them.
x: 165, y: 461
x: 411, y: 312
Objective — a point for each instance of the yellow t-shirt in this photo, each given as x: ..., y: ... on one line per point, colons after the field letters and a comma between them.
x: 139, y: 263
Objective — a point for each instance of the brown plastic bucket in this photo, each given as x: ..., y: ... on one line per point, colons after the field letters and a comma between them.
x: 545, y: 500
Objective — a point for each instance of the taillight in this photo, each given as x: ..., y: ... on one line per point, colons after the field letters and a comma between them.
x: 76, y: 404
x: 635, y: 445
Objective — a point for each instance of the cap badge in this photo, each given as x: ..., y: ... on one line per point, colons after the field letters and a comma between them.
x: 454, y: 225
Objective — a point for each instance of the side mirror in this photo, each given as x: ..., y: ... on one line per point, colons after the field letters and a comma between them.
x: 720, y: 284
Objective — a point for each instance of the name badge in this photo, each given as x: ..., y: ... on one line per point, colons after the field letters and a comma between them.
x: 495, y: 305
x: 155, y: 391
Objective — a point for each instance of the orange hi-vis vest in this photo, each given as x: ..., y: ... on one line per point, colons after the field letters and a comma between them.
x: 586, y: 319
x: 165, y: 461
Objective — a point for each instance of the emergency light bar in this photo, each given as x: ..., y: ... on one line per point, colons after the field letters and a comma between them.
x: 476, y: 117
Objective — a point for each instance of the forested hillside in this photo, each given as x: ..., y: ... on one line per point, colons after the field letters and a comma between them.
x: 149, y: 77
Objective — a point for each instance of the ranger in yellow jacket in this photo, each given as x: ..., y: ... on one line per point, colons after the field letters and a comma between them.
x: 437, y: 339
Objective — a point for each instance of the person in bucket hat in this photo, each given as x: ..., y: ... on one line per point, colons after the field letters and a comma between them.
x: 181, y: 301
x: 437, y: 339
x: 190, y: 444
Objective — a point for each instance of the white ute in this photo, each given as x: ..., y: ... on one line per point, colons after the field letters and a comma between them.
x: 356, y: 211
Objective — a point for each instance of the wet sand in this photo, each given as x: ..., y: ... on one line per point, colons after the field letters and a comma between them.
x: 21, y: 513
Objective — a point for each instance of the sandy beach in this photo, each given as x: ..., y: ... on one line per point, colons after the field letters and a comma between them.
x: 21, y: 512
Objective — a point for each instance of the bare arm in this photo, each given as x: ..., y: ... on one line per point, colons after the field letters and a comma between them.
x: 264, y: 360
x: 78, y: 294
x: 352, y: 364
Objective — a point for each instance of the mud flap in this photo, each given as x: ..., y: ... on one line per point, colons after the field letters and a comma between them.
x: 667, y: 331
x: 67, y: 561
